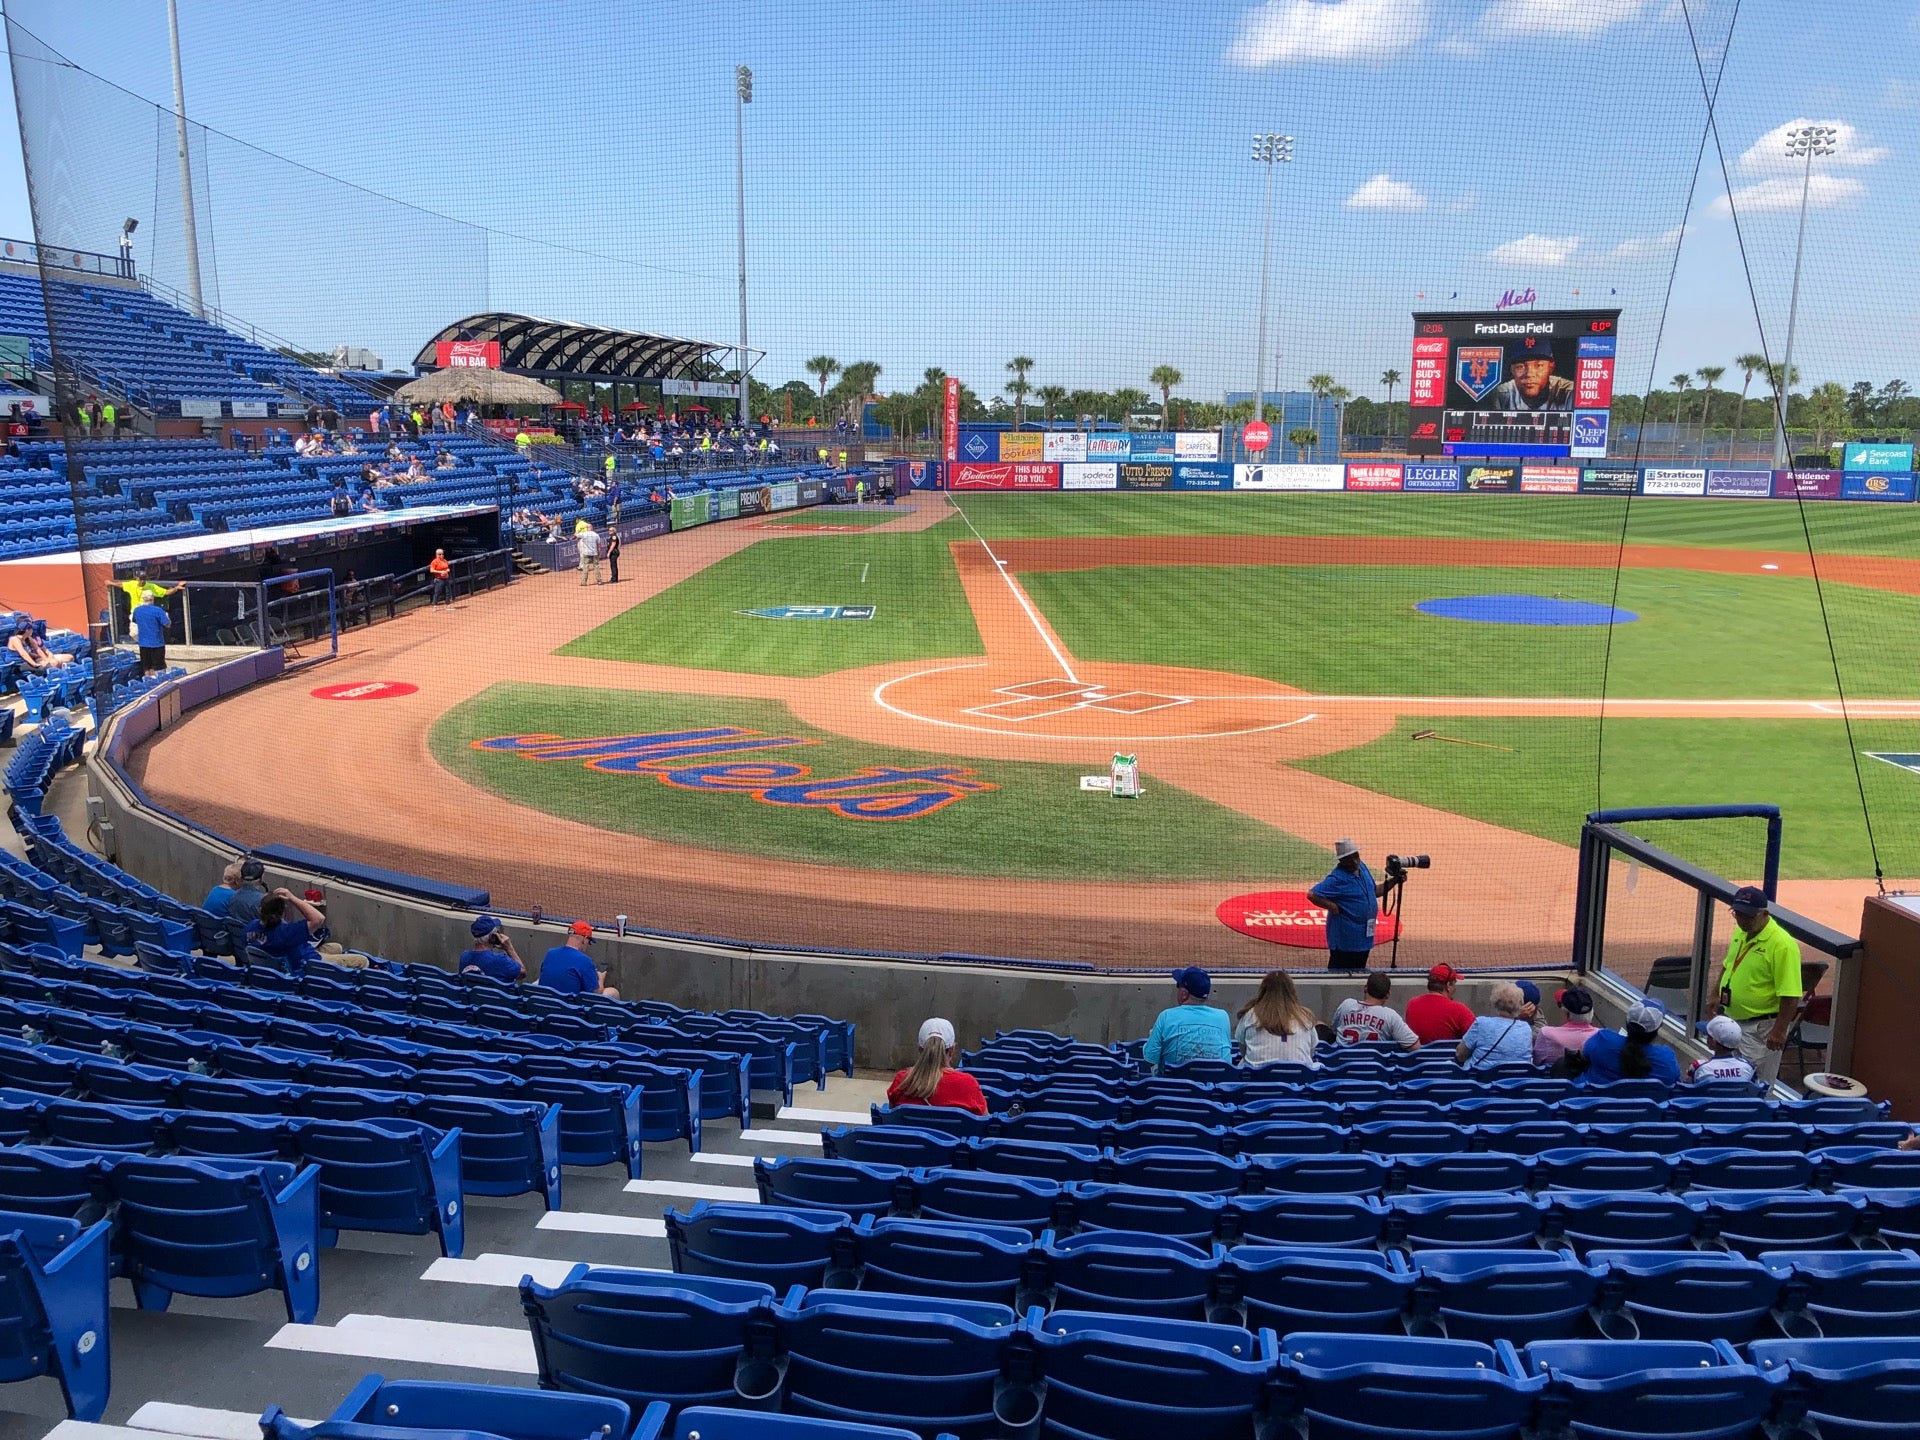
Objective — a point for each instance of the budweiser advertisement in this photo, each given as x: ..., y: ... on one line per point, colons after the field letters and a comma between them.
x: 467, y: 354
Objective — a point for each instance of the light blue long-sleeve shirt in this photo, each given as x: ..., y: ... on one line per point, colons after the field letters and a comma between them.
x: 1188, y: 1032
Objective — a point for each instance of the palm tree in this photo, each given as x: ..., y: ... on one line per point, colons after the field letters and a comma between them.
x: 1339, y: 394
x: 1018, y: 387
x: 1681, y: 384
x: 823, y: 368
x: 1711, y: 375
x: 1129, y: 402
x: 1389, y: 378
x: 1165, y: 377
x: 1748, y: 365
x: 1827, y: 409
x: 1050, y: 396
x: 856, y: 383
x: 1303, y: 438
x: 1318, y: 385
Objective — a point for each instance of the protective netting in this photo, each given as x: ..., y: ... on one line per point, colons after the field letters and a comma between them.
x: 893, y: 710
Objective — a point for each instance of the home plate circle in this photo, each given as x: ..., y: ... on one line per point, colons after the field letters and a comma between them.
x: 365, y: 690
x: 1287, y: 917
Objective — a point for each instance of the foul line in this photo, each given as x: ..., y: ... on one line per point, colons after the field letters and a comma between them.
x: 1000, y: 565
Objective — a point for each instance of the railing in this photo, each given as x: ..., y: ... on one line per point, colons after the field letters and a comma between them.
x: 53, y: 257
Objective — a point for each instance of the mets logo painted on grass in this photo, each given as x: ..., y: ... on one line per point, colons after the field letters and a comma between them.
x: 682, y: 759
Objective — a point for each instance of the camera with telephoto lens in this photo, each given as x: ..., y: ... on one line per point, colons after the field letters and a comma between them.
x: 1400, y: 864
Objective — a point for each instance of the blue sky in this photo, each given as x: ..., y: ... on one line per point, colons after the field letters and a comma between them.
x: 952, y: 182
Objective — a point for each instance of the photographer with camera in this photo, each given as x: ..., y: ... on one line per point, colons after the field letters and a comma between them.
x: 1351, y: 897
x: 492, y: 952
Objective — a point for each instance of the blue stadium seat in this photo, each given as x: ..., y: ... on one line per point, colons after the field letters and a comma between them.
x: 1369, y: 1387
x: 926, y: 1257
x: 54, y: 1306
x: 889, y: 1145
x: 932, y: 1117
x: 382, y: 1409
x: 396, y: 1176
x: 843, y: 1185
x: 1176, y: 1134
x: 1660, y: 1137
x: 1411, y: 1137
x: 639, y: 1337
x: 1868, y: 1167
x: 1718, y: 1169
x: 1348, y: 1291
x: 1683, y: 1294
x: 1463, y: 1222
x: 777, y: 1246
x: 1128, y: 1272
x: 966, y: 1197
x: 599, y: 1123
x: 1459, y: 1174
x: 1321, y: 1174
x: 1166, y: 1167
x: 1110, y: 1377
x: 1894, y: 1217
x: 1602, y: 1220
x: 1189, y: 1217
x: 1753, y: 1223
x: 1842, y: 1293
x: 1289, y: 1137
x: 1036, y: 1159
x: 1527, y: 1137
x: 507, y: 1147
x: 1650, y: 1389
x: 1584, y: 1168
x: 1845, y: 1389
x: 1053, y: 1127
x: 1340, y: 1221
x: 1488, y: 1295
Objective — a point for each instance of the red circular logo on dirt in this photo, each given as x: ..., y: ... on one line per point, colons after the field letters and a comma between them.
x: 1287, y: 917
x: 366, y: 690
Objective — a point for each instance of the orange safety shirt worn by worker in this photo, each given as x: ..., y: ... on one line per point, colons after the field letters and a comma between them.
x: 439, y: 568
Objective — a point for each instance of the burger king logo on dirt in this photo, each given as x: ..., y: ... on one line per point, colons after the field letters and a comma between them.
x: 1287, y: 917
x: 366, y: 690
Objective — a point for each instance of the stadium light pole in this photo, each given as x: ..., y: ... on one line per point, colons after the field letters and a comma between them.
x: 1268, y: 150
x: 1803, y: 144
x: 189, y: 236
x: 742, y: 97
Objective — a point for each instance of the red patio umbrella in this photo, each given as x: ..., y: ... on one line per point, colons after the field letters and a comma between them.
x: 701, y: 408
x: 569, y: 405
x: 636, y: 405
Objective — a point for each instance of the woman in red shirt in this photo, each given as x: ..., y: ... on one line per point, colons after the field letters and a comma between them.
x: 932, y: 1080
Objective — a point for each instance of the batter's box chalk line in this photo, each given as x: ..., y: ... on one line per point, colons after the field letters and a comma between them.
x: 1040, y: 699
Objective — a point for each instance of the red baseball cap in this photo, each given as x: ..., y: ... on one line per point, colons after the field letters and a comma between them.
x: 581, y: 927
x: 1444, y: 973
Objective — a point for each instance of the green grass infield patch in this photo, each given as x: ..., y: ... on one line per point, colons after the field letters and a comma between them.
x: 1026, y: 820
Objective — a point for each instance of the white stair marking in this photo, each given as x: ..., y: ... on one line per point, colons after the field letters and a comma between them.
x: 589, y: 1222
x: 824, y: 1117
x: 86, y: 1430
x: 694, y: 1190
x: 422, y: 1342
x: 198, y: 1421
x: 782, y: 1137
x: 745, y: 1162
x: 505, y: 1271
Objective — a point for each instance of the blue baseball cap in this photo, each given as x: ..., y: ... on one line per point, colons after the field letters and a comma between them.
x: 1750, y: 898
x: 1195, y: 981
x: 1529, y: 991
x: 1530, y: 347
x: 483, y: 925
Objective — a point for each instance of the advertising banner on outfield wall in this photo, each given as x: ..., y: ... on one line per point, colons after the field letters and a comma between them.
x: 1090, y: 475
x: 645, y: 528
x: 1197, y: 445
x: 1751, y: 484
x: 1671, y: 480
x: 1022, y: 445
x: 1034, y: 476
x: 1550, y: 479
x: 1147, y: 475
x: 1203, y: 475
x: 1589, y: 434
x: 1495, y: 479
x: 1373, y: 475
x: 754, y: 500
x: 690, y: 510
x: 1150, y: 445
x: 784, y: 496
x: 1873, y: 485
x: 1068, y: 445
x: 1807, y: 484
x: 810, y: 492
x: 1870, y: 455
x: 1436, y: 478
x: 982, y: 447
x: 1108, y: 447
x: 1609, y: 480
x: 726, y: 504
x: 1289, y: 477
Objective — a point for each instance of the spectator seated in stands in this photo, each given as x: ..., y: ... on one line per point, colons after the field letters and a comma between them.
x: 244, y: 903
x: 935, y: 1078
x: 1368, y: 1017
x: 1726, y: 1062
x: 1553, y: 1043
x: 443, y: 459
x: 219, y: 895
x: 492, y: 952
x: 1436, y: 1017
x: 1190, y: 1029
x: 287, y: 928
x: 1274, y: 1027
x: 566, y: 970
x: 1502, y: 1038
x: 1612, y: 1055
x: 32, y: 651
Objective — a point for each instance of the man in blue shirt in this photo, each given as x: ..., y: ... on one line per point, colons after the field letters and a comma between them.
x: 244, y: 903
x: 566, y: 970
x: 1191, y: 1029
x: 492, y: 952
x: 150, y: 625
x: 1351, y: 897
x: 219, y: 895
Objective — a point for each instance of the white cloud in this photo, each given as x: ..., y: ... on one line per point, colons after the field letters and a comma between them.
x: 1642, y: 245
x: 1535, y: 250
x: 1281, y: 32
x: 1768, y: 155
x: 1383, y: 192
x: 1825, y: 192
x: 1581, y: 19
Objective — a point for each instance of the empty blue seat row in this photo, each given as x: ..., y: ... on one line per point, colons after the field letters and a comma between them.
x: 54, y: 1304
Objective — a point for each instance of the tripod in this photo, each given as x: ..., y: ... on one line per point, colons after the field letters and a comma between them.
x: 1392, y: 907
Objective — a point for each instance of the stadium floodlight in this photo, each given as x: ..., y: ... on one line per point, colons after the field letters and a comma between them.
x: 1805, y: 143
x: 1268, y: 150
x: 742, y: 97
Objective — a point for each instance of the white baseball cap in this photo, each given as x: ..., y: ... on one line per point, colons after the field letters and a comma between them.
x: 933, y: 1027
x: 1724, y: 1030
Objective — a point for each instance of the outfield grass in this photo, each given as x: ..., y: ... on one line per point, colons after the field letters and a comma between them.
x: 837, y: 515
x: 1037, y: 824
x: 1349, y: 631
x: 1550, y: 780
x: 919, y: 609
x: 1837, y: 527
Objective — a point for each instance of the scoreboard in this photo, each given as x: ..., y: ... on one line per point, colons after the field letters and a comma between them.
x: 1512, y: 382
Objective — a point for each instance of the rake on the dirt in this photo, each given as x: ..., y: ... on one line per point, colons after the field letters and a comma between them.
x: 1455, y: 740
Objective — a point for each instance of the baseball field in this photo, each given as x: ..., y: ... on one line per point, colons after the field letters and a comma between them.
x: 871, y: 729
